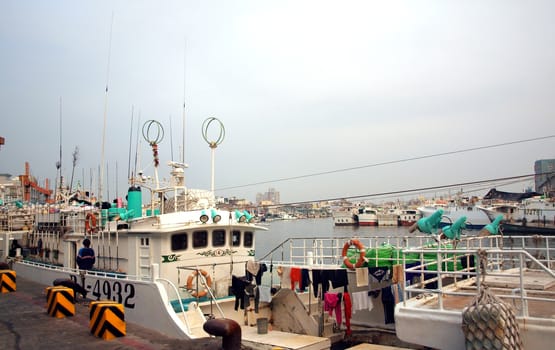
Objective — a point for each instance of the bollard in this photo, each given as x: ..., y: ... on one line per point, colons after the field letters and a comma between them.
x: 7, y: 281
x: 60, y: 302
x: 229, y: 330
x: 107, y: 319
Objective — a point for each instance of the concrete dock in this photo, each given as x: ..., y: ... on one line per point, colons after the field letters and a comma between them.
x: 25, y: 324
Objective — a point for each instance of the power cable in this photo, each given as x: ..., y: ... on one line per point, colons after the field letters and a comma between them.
x: 388, y: 162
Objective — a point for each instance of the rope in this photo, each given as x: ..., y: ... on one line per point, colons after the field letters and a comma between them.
x: 488, y: 322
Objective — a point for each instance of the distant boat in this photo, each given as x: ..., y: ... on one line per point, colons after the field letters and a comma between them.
x: 534, y: 215
x: 388, y: 218
x: 367, y: 216
x: 409, y: 217
x: 345, y: 216
x: 476, y: 218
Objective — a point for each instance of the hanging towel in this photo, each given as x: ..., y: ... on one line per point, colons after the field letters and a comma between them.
x: 285, y: 280
x: 253, y: 267
x: 362, y: 276
x: 265, y: 294
x: 361, y: 301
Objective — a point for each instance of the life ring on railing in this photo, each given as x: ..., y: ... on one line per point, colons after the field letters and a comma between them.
x: 90, y: 223
x: 192, y: 290
x: 362, y: 253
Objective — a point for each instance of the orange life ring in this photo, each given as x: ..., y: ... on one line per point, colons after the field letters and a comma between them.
x: 90, y: 223
x: 362, y: 253
x: 192, y: 290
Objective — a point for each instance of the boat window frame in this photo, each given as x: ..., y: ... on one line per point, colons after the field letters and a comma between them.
x: 199, y: 242
x: 236, y: 234
x: 184, y: 242
x: 221, y: 239
x: 248, y: 239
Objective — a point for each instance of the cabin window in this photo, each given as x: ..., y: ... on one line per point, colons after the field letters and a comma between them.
x: 247, y: 239
x: 218, y: 238
x: 179, y: 241
x: 200, y: 239
x: 236, y: 238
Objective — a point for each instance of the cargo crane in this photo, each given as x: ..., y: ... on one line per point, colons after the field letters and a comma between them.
x: 31, y: 190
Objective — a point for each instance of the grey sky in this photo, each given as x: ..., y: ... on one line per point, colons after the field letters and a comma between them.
x: 301, y: 86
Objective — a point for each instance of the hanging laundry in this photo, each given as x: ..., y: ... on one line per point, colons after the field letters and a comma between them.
x: 332, y: 303
x: 252, y: 267
x: 300, y: 277
x: 284, y: 274
x: 361, y: 301
x: 265, y: 294
x: 378, y: 273
x: 260, y: 269
x: 361, y: 274
x: 348, y: 311
x: 238, y: 286
x: 388, y: 301
x: 339, y: 278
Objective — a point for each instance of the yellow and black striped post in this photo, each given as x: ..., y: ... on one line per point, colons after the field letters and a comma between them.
x: 107, y: 319
x: 60, y: 301
x: 7, y: 281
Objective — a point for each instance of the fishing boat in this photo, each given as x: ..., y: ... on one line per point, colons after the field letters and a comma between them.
x: 476, y: 219
x: 530, y: 215
x: 344, y: 216
x: 173, y: 263
x: 409, y: 217
x: 503, y: 296
x: 367, y: 216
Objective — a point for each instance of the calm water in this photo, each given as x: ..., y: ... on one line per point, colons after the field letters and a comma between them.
x: 281, y: 230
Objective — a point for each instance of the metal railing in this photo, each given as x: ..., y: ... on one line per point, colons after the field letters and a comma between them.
x: 509, y: 258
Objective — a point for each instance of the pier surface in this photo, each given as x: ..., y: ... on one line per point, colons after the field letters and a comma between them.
x: 24, y: 324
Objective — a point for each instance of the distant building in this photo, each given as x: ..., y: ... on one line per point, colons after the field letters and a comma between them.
x: 545, y: 176
x: 271, y: 196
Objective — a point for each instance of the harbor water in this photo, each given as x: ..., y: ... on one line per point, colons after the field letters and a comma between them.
x: 281, y: 230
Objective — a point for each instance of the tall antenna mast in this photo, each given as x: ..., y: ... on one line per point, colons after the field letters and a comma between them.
x: 59, y: 162
x: 130, y: 141
x: 171, y: 138
x: 105, y: 113
x: 184, y: 84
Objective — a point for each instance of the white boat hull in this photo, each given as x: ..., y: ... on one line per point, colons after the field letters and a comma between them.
x: 141, y: 299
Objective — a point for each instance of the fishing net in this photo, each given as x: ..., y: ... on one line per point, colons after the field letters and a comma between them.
x: 488, y: 322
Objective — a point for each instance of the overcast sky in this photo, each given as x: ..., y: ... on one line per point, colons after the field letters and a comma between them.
x: 302, y: 87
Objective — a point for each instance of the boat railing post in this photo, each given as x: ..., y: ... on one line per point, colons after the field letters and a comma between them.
x: 155, y: 271
x: 439, y: 277
x: 523, y: 298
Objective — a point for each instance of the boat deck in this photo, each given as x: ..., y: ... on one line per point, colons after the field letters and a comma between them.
x: 540, y: 293
x: 282, y: 340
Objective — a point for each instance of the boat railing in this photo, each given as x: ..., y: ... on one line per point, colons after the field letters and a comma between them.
x: 439, y: 272
x: 314, y: 251
x: 174, y: 289
x: 96, y: 273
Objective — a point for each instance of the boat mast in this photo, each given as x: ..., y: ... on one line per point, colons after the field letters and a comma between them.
x: 59, y: 162
x: 105, y: 113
